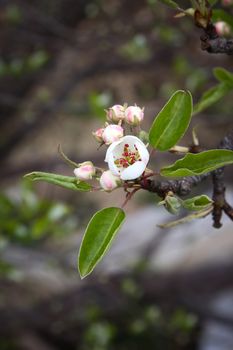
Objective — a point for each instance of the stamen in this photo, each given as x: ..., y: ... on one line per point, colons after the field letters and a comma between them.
x: 128, y: 157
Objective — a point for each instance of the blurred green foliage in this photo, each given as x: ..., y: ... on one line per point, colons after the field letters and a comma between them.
x: 18, y: 67
x: 141, y: 325
x: 194, y: 77
x: 27, y: 219
x: 13, y: 14
x: 137, y: 49
x: 98, y: 102
x: 8, y: 344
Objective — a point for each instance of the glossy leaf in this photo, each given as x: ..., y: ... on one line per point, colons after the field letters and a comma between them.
x: 69, y: 182
x: 98, y: 237
x: 197, y: 203
x: 197, y: 164
x: 211, y: 96
x: 172, y: 121
x: 223, y: 75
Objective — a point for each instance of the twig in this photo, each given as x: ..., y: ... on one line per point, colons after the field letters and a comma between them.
x: 184, y: 186
x: 219, y: 189
x: 213, y: 43
x: 129, y: 195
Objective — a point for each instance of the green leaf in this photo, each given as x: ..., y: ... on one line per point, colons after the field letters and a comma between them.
x: 197, y: 164
x: 170, y: 3
x: 211, y: 96
x: 197, y: 203
x: 98, y: 237
x: 172, y: 204
x: 69, y: 182
x: 196, y: 215
x: 223, y: 76
x: 172, y: 121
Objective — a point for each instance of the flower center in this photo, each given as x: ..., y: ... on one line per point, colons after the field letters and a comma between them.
x: 128, y: 157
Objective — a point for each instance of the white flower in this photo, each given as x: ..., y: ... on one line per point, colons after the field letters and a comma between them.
x: 116, y: 113
x: 127, y: 157
x: 134, y: 115
x: 112, y: 133
x: 85, y: 171
x: 108, y: 181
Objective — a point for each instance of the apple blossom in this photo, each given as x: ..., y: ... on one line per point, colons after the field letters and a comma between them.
x: 222, y: 28
x: 112, y: 133
x: 134, y: 115
x: 116, y: 113
x: 98, y: 135
x: 85, y: 171
x: 127, y: 157
x: 109, y: 181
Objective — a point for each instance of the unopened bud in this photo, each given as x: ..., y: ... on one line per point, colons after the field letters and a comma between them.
x: 134, y: 115
x: 112, y: 133
x: 116, y: 113
x: 108, y: 181
x: 98, y: 135
x: 222, y: 28
x: 227, y: 2
x: 85, y: 171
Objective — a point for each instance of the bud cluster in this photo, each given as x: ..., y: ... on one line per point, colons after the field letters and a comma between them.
x: 117, y: 115
x: 126, y: 156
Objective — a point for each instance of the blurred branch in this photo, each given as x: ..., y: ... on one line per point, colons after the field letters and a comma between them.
x: 47, y: 21
x: 185, y: 288
x: 47, y: 111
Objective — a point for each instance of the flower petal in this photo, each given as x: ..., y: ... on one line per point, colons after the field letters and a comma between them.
x: 133, y: 171
x: 131, y: 139
x: 111, y: 148
x: 143, y: 152
x: 112, y: 166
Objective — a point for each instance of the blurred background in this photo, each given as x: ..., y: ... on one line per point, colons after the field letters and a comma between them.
x: 62, y: 62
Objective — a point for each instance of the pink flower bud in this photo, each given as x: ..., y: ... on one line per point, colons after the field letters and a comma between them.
x: 134, y: 115
x: 98, y: 135
x: 108, y: 181
x: 116, y: 113
x: 112, y: 133
x: 222, y: 28
x: 85, y: 171
x: 227, y: 2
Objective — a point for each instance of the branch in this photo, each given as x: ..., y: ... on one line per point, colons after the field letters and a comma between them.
x: 179, y: 187
x: 184, y: 186
x: 213, y: 43
x: 220, y: 203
